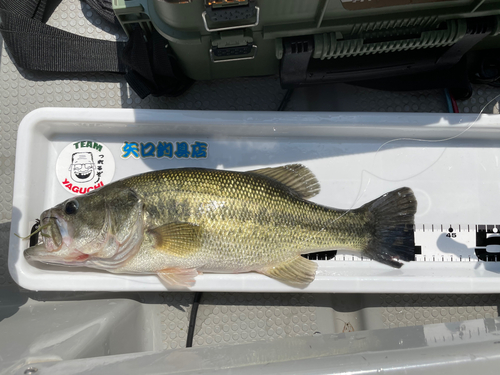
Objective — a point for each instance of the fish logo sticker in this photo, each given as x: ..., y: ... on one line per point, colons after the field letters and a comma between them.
x: 84, y: 166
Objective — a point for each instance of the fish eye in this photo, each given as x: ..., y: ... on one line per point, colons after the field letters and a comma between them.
x: 71, y: 207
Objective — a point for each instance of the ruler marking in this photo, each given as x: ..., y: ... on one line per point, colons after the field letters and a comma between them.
x: 444, y: 243
x: 447, y: 243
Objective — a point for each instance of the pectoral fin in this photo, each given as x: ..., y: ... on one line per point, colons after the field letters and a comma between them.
x: 179, y: 276
x: 294, y: 271
x: 178, y: 239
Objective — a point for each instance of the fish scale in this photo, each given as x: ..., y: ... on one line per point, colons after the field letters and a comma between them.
x: 248, y: 220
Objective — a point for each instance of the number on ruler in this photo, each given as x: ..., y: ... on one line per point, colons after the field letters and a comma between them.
x: 451, y: 233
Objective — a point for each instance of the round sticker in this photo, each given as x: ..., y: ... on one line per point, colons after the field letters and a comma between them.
x: 84, y: 166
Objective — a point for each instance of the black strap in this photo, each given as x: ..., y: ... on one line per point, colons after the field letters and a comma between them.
x: 32, y: 8
x: 37, y: 46
x: 40, y: 47
x: 149, y: 66
x: 155, y: 69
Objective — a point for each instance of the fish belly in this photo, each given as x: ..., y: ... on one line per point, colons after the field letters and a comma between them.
x: 236, y: 245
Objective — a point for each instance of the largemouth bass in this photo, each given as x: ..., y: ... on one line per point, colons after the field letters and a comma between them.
x: 178, y: 223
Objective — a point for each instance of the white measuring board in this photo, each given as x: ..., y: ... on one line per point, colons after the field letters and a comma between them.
x: 355, y: 157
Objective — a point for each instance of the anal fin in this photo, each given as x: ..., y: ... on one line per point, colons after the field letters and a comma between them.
x: 297, y: 270
x: 178, y: 276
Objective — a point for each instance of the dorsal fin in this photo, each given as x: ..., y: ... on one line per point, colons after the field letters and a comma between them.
x: 296, y: 176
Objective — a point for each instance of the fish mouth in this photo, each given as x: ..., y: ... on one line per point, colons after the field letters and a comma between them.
x: 54, y: 247
x: 39, y: 253
x: 54, y: 232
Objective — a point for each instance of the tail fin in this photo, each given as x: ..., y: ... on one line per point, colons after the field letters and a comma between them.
x: 391, y: 227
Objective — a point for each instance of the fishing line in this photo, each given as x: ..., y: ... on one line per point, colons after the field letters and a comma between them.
x: 440, y: 140
x: 361, y: 192
x: 35, y: 231
x: 422, y: 140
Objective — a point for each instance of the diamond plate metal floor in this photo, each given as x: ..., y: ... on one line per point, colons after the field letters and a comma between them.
x: 223, y: 318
